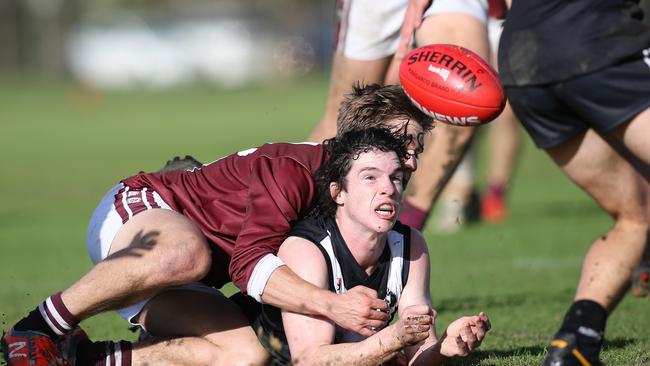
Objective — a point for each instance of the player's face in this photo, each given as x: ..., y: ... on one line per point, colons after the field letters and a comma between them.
x: 373, y: 192
x: 415, y: 136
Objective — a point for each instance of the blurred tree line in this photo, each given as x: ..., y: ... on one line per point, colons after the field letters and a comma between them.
x: 33, y: 33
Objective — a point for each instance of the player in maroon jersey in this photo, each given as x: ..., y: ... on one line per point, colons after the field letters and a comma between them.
x: 161, y: 240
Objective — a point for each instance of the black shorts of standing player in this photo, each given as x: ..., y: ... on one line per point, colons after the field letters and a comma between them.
x: 601, y: 100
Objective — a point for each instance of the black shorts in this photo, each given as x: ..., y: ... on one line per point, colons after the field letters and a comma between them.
x: 266, y: 321
x: 602, y: 100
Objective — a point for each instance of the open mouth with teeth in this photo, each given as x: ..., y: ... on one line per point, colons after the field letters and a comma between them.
x: 387, y: 211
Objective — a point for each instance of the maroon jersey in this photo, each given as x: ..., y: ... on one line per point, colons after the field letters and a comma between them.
x: 244, y: 203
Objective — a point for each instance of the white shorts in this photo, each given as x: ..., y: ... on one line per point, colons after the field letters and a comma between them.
x: 495, y: 28
x: 107, y: 220
x: 369, y: 29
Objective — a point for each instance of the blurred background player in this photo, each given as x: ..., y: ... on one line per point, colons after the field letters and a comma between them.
x: 372, y: 38
x: 460, y: 201
x: 589, y: 109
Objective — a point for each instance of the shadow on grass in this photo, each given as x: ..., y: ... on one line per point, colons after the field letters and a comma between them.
x: 480, y: 357
x: 618, y: 343
x: 470, y: 302
x: 502, y: 300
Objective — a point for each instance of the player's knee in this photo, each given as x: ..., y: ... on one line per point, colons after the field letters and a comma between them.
x: 465, y: 134
x: 633, y: 222
x: 254, y: 356
x: 187, y: 260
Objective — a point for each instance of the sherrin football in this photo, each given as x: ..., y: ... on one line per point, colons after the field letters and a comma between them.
x: 452, y: 84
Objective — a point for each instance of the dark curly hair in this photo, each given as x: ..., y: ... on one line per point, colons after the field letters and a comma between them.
x: 343, y: 150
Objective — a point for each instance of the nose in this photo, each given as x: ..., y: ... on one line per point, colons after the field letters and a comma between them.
x: 392, y: 189
x: 411, y: 162
x: 388, y: 186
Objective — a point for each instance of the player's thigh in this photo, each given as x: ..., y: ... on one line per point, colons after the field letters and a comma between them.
x: 444, y: 148
x: 347, y: 71
x: 615, y: 100
x: 455, y: 28
x: 164, y: 238
x: 634, y: 135
x: 201, y: 313
x: 597, y: 168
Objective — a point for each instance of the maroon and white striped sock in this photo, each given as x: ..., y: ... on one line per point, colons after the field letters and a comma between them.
x: 56, y: 315
x: 51, y: 317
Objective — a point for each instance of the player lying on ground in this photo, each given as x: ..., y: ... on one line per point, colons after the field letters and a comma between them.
x: 162, y: 243
x: 355, y: 240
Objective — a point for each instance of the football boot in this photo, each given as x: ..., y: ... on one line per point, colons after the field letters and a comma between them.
x: 641, y: 280
x: 30, y: 348
x: 564, y: 351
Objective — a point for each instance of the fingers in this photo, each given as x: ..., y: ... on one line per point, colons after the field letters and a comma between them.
x: 371, y: 296
x: 378, y: 305
x: 468, y: 337
x: 367, y: 304
x: 366, y: 332
x: 485, y: 320
x: 480, y: 325
x: 375, y: 324
x: 410, y: 334
x: 412, y: 21
x: 414, y: 324
x: 461, y: 347
x: 364, y: 290
x: 418, y: 310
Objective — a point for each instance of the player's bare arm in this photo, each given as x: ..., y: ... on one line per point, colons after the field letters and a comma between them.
x: 412, y: 21
x: 462, y: 336
x: 315, y: 345
x: 356, y: 309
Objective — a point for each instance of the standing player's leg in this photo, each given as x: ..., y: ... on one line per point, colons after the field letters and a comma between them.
x: 503, y: 140
x: 345, y: 72
x: 446, y: 145
x: 458, y: 201
x: 624, y: 193
x: 636, y: 143
x: 363, y: 50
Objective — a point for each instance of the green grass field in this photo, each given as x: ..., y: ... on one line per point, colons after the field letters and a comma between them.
x: 61, y: 148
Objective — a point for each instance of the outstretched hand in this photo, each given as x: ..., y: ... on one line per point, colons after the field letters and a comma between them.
x: 465, y: 335
x: 360, y: 310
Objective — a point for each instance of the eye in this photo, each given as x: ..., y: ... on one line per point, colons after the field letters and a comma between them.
x: 369, y: 177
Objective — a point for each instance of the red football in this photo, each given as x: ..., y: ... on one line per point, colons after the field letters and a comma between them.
x: 452, y: 84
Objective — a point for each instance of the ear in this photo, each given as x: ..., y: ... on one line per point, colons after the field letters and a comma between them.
x: 335, y: 193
